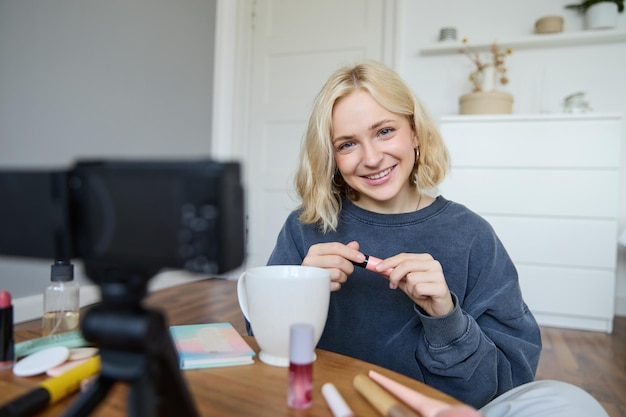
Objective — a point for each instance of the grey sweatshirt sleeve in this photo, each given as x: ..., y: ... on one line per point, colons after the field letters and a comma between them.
x: 490, y: 342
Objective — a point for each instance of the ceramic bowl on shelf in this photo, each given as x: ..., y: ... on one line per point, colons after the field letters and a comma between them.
x: 549, y: 24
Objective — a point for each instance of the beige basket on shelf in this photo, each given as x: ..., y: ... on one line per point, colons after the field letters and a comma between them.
x: 549, y: 24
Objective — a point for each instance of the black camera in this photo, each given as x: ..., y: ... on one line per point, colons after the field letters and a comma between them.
x: 127, y: 220
x: 137, y: 215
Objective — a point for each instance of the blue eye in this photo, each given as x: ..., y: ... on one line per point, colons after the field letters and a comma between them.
x: 386, y: 131
x: 345, y: 146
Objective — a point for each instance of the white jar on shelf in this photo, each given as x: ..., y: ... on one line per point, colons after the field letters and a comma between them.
x: 602, y: 15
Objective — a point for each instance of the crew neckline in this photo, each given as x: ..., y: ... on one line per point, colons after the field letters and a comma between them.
x: 389, y: 219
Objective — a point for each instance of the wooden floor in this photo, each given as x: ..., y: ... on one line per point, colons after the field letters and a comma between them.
x: 593, y: 361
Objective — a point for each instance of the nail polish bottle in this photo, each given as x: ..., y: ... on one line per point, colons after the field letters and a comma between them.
x: 301, y: 358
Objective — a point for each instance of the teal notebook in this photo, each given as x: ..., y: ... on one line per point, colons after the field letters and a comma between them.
x: 210, y: 345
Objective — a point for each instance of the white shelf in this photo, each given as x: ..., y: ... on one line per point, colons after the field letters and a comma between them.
x: 482, y: 118
x: 533, y: 41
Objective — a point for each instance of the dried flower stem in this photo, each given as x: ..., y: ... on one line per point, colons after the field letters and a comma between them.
x: 497, y: 60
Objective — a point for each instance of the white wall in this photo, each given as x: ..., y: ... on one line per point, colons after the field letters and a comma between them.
x: 540, y: 78
x: 114, y: 78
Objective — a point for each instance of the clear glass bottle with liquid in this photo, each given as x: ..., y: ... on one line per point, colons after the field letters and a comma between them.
x: 61, y: 302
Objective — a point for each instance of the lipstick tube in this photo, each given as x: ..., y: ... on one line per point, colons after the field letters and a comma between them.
x: 7, y: 343
x: 370, y: 264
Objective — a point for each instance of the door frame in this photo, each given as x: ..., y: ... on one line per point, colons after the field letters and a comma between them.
x: 232, y: 76
x: 232, y: 72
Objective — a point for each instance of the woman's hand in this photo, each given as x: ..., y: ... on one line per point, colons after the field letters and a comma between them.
x: 421, y: 278
x: 336, y: 257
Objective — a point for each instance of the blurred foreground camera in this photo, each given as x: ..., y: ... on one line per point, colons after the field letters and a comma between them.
x: 127, y: 220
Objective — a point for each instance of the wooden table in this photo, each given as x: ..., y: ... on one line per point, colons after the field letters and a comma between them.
x: 251, y: 390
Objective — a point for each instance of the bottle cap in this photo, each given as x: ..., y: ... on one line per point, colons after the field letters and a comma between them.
x: 5, y: 299
x: 301, y: 346
x: 62, y: 270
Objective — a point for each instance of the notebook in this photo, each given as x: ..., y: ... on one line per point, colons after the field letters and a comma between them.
x: 210, y: 345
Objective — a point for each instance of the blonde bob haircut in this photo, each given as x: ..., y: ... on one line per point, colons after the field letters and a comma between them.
x: 318, y: 182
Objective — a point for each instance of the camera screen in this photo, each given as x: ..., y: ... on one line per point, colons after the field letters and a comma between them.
x: 33, y: 213
x: 131, y: 214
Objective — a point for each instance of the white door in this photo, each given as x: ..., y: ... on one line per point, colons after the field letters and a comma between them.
x: 296, y: 45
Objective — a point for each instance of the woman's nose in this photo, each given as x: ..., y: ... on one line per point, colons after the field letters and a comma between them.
x: 371, y: 155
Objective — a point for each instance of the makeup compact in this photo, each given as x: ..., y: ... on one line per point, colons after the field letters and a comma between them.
x: 40, y: 362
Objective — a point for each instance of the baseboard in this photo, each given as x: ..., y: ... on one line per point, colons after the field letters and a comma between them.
x: 620, y: 306
x: 31, y: 307
x: 577, y: 323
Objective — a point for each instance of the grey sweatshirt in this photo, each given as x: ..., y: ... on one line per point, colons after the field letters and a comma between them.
x: 487, y: 345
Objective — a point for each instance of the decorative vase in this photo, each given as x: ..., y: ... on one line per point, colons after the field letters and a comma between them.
x: 488, y: 78
x: 486, y: 102
x: 601, y: 15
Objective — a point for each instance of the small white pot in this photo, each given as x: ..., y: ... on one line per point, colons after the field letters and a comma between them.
x: 601, y: 15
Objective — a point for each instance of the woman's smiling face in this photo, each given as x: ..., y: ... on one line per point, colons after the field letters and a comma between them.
x: 375, y: 153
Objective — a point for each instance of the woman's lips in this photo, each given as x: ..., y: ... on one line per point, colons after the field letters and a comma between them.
x: 379, y: 177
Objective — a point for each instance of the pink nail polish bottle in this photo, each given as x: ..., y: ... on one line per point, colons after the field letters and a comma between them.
x: 301, y: 358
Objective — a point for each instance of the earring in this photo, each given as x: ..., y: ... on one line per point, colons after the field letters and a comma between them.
x: 334, y: 180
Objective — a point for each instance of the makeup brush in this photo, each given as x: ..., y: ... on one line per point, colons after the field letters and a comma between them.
x: 385, y: 403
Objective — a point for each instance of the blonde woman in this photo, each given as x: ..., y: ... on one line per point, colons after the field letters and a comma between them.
x: 420, y: 284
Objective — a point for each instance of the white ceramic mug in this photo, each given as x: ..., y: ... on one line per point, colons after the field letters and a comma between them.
x: 272, y: 298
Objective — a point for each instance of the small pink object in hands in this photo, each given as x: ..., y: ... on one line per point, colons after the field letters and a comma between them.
x: 370, y: 264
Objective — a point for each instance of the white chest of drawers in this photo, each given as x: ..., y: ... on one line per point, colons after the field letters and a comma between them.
x: 549, y: 185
